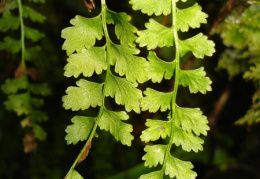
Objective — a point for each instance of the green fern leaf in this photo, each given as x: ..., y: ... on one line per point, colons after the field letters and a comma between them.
x: 155, y: 100
x: 76, y: 36
x: 252, y: 116
x: 133, y: 67
x: 187, y: 140
x: 33, y: 15
x: 37, y: 102
x: 39, y: 132
x: 12, y: 86
x: 79, y: 130
x: 152, y: 6
x: 190, y: 17
x: 111, y: 121
x: 38, y: 116
x: 82, y: 97
x: 86, y: 62
x: 123, y: 29
x: 20, y: 103
x: 191, y: 119
x: 179, y: 169
x: 8, y: 6
x: 124, y: 93
x: 198, y: 45
x: 8, y: 21
x: 73, y: 174
x: 32, y: 34
x: 156, y: 35
x: 40, y: 89
x: 152, y: 175
x: 154, y: 155
x: 156, y: 129
x: 195, y: 80
x: 10, y: 45
x: 32, y: 54
x: 253, y: 73
x: 159, y: 69
x: 231, y: 61
x: 232, y: 36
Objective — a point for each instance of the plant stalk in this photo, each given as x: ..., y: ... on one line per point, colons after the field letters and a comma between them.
x: 22, y: 36
x: 176, y: 84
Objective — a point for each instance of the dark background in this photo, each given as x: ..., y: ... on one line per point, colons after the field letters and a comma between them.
x: 230, y: 151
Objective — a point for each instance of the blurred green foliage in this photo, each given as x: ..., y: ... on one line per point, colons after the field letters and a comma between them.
x: 241, y: 34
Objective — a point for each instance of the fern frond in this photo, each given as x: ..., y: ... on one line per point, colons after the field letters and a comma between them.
x: 24, y: 96
x: 85, y: 58
x: 184, y: 125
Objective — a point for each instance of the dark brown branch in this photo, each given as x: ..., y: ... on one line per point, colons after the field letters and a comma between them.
x: 89, y: 4
x: 218, y: 107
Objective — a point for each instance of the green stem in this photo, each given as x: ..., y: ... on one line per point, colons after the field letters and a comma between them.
x: 176, y: 84
x: 22, y: 36
x: 93, y: 130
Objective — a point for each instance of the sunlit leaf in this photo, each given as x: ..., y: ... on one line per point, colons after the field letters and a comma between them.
x: 152, y: 6
x: 198, y: 45
x: 195, y: 80
x: 179, y: 169
x: 80, y: 129
x: 124, y: 92
x: 152, y: 175
x: 154, y: 155
x: 82, y: 97
x: 155, y: 100
x: 112, y: 121
x: 190, y: 17
x: 156, y: 129
x: 159, y: 69
x: 191, y: 119
x: 76, y: 36
x: 187, y: 140
x: 156, y: 35
x: 125, y: 32
x: 86, y: 62
x: 126, y: 63
x: 73, y: 175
